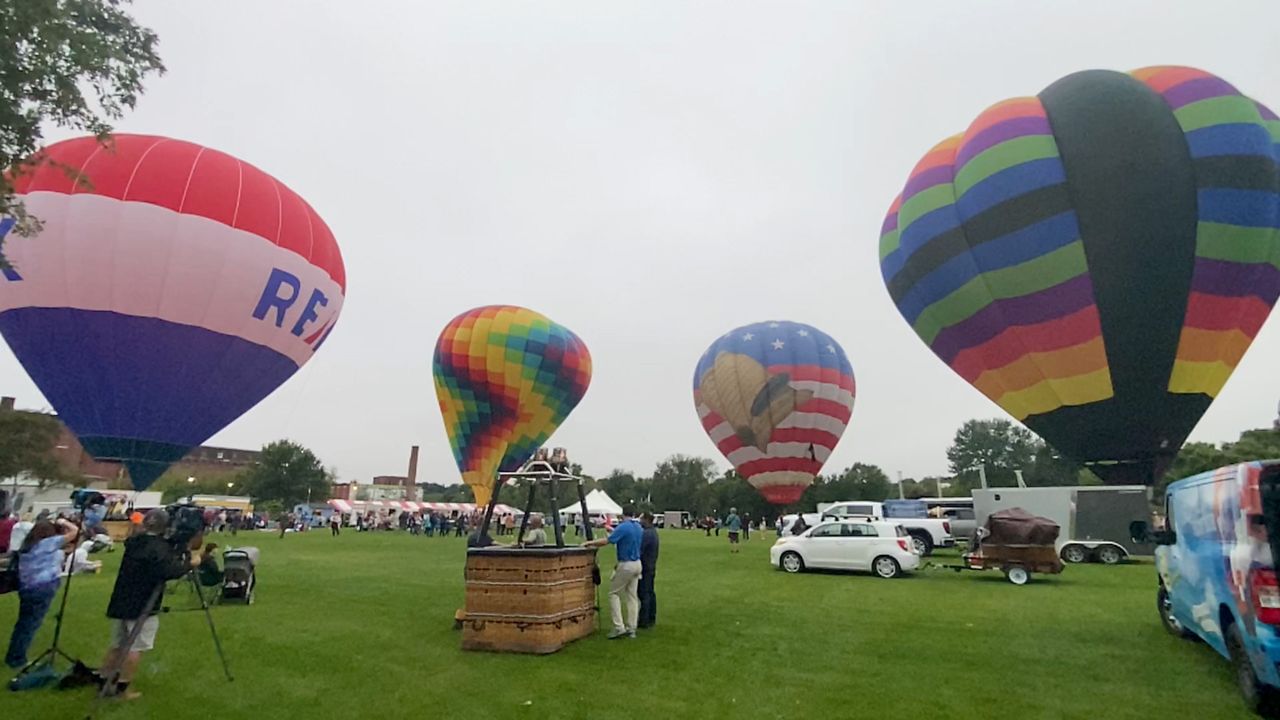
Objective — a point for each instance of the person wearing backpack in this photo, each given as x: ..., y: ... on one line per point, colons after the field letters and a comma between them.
x: 39, y: 574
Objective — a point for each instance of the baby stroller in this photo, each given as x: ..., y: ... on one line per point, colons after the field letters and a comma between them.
x: 240, y: 580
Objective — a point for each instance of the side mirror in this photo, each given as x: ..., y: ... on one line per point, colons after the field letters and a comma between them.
x: 1138, y: 531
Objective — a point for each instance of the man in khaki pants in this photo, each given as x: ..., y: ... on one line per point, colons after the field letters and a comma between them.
x: 626, y: 575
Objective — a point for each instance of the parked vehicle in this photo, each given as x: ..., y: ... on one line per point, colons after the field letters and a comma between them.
x: 675, y: 519
x: 1016, y: 543
x: 964, y: 522
x: 926, y: 533
x: 1217, y: 575
x: 1094, y: 520
x: 881, y: 547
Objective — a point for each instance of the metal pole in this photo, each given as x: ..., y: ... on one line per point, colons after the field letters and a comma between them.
x: 488, y: 511
x: 901, y: 496
x: 528, y: 507
x: 555, y: 511
x: 937, y: 481
x: 585, y: 519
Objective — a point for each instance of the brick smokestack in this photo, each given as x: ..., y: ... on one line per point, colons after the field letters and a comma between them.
x: 6, y: 403
x: 411, y: 480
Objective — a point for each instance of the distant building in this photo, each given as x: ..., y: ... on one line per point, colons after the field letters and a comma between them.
x: 203, y: 461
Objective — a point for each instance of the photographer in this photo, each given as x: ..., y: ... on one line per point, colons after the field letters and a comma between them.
x: 39, y: 574
x: 149, y: 561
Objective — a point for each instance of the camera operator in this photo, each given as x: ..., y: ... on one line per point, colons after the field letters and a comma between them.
x: 39, y: 574
x: 149, y: 561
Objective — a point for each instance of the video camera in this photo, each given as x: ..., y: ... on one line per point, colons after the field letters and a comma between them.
x: 185, y: 522
x: 85, y: 497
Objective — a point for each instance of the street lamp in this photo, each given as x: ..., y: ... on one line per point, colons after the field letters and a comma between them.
x: 190, y: 479
x: 229, y: 485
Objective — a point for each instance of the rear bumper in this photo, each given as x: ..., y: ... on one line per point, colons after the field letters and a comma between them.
x: 949, y: 542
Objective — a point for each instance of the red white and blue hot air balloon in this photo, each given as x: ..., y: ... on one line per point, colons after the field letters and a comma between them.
x: 775, y: 397
x: 168, y: 293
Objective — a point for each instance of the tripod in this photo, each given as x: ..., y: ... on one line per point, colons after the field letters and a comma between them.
x: 111, y: 676
x: 55, y: 651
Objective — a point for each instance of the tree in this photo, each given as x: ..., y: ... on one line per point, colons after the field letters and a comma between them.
x: 178, y: 484
x: 72, y: 63
x: 678, y: 481
x: 1197, y: 457
x: 288, y: 473
x: 997, y: 444
x: 27, y: 444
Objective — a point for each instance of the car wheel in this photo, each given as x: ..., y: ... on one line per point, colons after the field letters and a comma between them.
x: 923, y: 545
x: 1110, y: 555
x: 1258, y: 698
x: 1074, y: 554
x: 791, y: 562
x: 886, y: 567
x: 1018, y: 575
x: 1171, y: 624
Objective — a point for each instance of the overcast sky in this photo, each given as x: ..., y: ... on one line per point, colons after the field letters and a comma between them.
x: 649, y: 174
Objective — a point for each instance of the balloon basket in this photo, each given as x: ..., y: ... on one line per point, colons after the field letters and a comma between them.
x: 531, y: 600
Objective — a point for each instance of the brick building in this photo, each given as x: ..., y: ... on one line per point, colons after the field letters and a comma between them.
x: 203, y: 461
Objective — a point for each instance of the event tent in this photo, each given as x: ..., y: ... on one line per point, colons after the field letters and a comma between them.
x: 598, y: 503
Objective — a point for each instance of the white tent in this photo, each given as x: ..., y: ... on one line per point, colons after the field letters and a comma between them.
x: 598, y: 503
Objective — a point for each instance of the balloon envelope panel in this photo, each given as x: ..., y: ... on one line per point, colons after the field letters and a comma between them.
x: 1096, y: 259
x: 775, y: 398
x: 169, y: 291
x: 506, y: 377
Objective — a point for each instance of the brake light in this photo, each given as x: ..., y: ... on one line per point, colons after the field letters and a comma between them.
x: 946, y: 527
x: 1266, y: 595
x: 903, y: 544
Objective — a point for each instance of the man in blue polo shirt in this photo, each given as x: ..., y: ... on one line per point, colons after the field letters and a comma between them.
x: 626, y: 574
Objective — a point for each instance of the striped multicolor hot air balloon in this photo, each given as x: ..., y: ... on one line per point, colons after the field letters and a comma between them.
x: 506, y: 377
x: 1096, y: 259
x: 168, y: 292
x: 775, y: 397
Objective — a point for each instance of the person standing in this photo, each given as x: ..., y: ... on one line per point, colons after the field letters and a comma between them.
x: 626, y: 574
x: 39, y: 574
x: 335, y: 523
x: 746, y: 526
x: 733, y: 524
x: 149, y: 561
x: 648, y: 566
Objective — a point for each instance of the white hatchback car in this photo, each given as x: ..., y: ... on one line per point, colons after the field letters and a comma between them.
x: 883, y: 548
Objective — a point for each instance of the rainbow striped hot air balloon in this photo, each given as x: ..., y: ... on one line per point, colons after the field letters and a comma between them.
x: 506, y: 377
x: 775, y: 397
x: 1096, y: 259
x: 166, y: 295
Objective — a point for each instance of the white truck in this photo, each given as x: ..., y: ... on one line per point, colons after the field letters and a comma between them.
x: 926, y: 533
x: 1094, y: 520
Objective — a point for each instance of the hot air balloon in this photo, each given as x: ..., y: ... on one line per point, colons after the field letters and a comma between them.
x: 775, y: 397
x: 168, y: 292
x: 506, y: 377
x: 1096, y: 259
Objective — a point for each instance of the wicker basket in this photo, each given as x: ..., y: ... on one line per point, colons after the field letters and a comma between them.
x: 533, y: 600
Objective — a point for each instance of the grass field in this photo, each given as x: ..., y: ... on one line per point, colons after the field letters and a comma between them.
x: 361, y: 626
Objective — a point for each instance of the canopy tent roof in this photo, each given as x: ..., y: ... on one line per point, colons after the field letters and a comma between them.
x: 598, y: 503
x: 412, y: 506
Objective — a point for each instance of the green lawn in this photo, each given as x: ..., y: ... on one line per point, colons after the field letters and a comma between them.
x: 361, y: 626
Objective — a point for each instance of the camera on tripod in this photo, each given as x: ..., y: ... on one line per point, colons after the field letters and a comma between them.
x: 86, y: 497
x: 185, y: 522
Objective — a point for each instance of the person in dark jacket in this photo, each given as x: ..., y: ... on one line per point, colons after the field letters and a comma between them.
x: 149, y: 562
x: 648, y: 567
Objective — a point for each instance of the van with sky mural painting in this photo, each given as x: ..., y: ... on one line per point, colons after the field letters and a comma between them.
x: 1217, y: 576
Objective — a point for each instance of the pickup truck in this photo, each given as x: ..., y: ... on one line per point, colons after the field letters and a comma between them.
x: 926, y: 533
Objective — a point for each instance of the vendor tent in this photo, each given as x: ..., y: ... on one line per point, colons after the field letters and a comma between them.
x: 598, y: 503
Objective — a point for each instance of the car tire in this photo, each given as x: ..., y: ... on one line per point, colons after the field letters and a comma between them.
x: 1258, y: 698
x: 791, y: 562
x: 1109, y: 555
x: 1075, y: 554
x: 1171, y: 624
x: 923, y: 544
x: 886, y: 567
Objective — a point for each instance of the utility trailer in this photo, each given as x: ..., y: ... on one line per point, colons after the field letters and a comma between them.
x: 1094, y: 519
